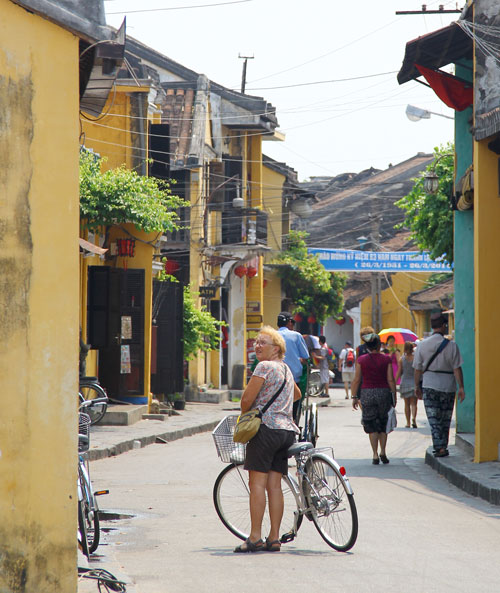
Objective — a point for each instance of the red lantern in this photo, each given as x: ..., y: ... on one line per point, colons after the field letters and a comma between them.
x: 240, y: 271
x: 311, y: 319
x: 251, y: 271
x: 340, y: 321
x: 171, y: 266
x: 298, y: 317
x: 264, y: 283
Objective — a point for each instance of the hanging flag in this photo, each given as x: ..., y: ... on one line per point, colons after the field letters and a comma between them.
x: 453, y: 92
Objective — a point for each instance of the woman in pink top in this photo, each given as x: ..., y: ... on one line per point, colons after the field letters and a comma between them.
x: 266, y: 456
x: 378, y: 394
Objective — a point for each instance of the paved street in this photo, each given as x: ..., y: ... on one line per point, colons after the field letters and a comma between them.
x: 417, y: 534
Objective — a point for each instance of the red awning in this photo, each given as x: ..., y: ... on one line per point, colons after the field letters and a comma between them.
x: 453, y: 92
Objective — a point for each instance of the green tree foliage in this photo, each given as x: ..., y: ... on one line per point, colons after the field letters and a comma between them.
x: 201, y: 330
x: 306, y: 282
x: 119, y: 196
x: 429, y: 217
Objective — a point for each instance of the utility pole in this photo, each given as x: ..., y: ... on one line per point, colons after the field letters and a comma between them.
x: 376, y: 278
x: 244, y: 74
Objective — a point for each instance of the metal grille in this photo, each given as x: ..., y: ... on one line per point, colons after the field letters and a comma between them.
x: 227, y: 449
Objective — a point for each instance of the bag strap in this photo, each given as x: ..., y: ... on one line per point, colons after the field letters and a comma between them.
x: 270, y: 402
x: 442, y: 346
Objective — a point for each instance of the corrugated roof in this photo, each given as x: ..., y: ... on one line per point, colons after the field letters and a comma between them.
x: 435, y: 50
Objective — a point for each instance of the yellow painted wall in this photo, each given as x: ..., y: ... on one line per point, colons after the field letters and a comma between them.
x: 272, y: 200
x: 39, y: 90
x: 111, y: 135
x: 486, y: 271
x: 394, y: 302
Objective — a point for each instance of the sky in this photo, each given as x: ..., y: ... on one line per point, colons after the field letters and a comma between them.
x: 330, y: 127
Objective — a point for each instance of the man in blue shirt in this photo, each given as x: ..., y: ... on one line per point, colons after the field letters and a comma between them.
x: 296, y: 351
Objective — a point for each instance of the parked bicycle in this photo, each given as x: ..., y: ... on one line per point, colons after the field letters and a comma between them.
x: 88, y: 510
x: 91, y: 390
x: 308, y: 412
x: 321, y: 493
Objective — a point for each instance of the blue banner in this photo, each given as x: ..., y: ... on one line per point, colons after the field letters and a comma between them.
x: 350, y: 260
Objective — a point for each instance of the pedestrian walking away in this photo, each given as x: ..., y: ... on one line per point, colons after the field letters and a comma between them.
x: 267, y: 452
x: 378, y: 395
x: 296, y: 355
x: 407, y: 386
x: 437, y: 361
x: 394, y: 354
x: 324, y: 370
x: 347, y: 360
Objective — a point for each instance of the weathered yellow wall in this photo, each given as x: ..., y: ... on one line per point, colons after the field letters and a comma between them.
x: 486, y: 270
x: 272, y: 189
x: 394, y: 313
x: 38, y: 302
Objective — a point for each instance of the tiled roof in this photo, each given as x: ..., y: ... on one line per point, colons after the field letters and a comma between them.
x: 439, y: 296
x: 345, y: 213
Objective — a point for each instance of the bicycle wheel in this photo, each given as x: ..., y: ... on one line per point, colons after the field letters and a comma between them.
x: 332, y: 508
x: 96, y: 411
x: 90, y: 513
x: 231, y: 500
x: 312, y: 428
x: 82, y: 530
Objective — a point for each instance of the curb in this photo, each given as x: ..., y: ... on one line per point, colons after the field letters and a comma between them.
x: 167, y: 436
x: 444, y: 467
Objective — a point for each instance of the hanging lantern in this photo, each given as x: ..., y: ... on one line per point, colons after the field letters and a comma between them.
x: 311, y: 319
x: 264, y: 283
x: 251, y: 271
x: 298, y: 317
x: 240, y: 271
x: 126, y: 247
x: 171, y: 266
x: 340, y: 321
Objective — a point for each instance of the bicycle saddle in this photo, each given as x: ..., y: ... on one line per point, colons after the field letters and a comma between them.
x: 297, y: 448
x: 89, y: 379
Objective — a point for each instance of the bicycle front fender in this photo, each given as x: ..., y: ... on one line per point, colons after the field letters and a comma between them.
x: 341, y: 473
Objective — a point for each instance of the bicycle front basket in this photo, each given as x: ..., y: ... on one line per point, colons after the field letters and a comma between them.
x: 227, y: 449
x: 83, y: 431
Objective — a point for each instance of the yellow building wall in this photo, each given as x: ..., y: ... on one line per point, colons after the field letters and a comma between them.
x: 39, y: 98
x: 112, y: 136
x: 486, y: 271
x: 272, y: 190
x: 395, y: 311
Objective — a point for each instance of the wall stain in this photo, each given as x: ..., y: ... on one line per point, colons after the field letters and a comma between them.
x: 16, y: 247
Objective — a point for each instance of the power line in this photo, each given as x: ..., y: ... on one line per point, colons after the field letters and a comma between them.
x: 180, y: 7
x: 288, y: 86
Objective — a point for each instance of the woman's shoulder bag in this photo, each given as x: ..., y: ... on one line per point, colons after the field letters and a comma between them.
x: 249, y: 423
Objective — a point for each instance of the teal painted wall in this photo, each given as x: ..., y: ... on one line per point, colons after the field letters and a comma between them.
x: 464, y: 267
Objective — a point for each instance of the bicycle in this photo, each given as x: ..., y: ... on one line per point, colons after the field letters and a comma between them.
x: 309, y: 432
x: 88, y: 510
x: 322, y: 492
x: 91, y: 390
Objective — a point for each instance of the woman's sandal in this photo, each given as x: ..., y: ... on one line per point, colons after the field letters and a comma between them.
x: 383, y: 459
x: 375, y: 461
x: 258, y: 546
x: 273, y: 546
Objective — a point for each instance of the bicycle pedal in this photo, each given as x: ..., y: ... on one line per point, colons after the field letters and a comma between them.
x: 287, y: 537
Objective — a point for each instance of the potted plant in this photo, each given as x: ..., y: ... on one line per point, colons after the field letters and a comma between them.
x: 178, y: 401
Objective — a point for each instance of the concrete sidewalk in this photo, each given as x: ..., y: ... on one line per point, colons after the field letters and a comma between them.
x: 477, y: 479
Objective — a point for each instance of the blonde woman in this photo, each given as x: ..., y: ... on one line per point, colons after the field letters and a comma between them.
x: 266, y: 455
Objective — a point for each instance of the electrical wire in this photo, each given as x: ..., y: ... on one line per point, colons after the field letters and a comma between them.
x: 181, y: 7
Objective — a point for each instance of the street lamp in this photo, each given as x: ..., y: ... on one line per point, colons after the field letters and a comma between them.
x: 431, y: 180
x: 416, y: 113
